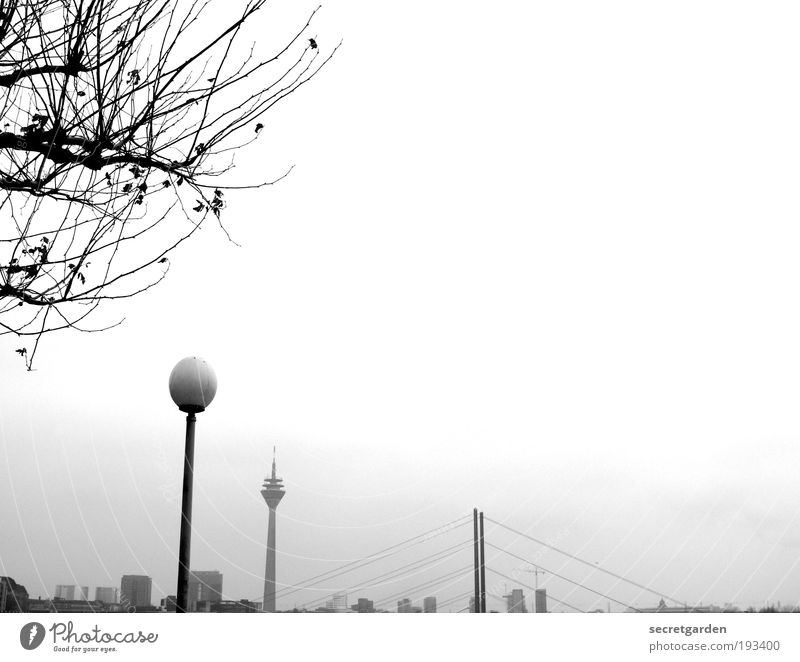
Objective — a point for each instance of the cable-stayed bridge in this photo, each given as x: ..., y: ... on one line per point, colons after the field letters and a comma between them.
x: 470, y: 564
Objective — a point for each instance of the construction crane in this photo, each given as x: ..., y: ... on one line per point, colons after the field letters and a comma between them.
x: 536, y: 572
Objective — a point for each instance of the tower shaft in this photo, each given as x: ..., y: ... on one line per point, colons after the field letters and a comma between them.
x: 269, y: 572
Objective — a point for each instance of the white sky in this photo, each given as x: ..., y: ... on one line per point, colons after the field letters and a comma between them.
x: 539, y: 258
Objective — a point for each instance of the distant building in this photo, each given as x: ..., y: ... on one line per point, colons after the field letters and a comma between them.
x: 429, y: 605
x: 107, y: 594
x: 78, y: 606
x: 38, y: 606
x: 229, y: 607
x: 170, y: 603
x: 337, y: 604
x: 472, y: 605
x: 61, y: 606
x: 135, y: 591
x: 662, y: 608
x: 71, y: 592
x: 515, y: 602
x: 204, y: 585
x: 404, y: 606
x: 363, y: 606
x: 540, y: 601
x: 13, y: 596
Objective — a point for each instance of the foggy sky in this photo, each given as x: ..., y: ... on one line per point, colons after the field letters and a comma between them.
x: 540, y: 259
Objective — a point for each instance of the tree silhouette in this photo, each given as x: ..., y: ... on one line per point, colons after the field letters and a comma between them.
x: 120, y: 119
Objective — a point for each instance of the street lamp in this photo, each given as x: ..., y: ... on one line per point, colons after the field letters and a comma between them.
x: 192, y: 385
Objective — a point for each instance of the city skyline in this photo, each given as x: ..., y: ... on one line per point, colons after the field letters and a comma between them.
x: 206, y: 596
x: 206, y: 586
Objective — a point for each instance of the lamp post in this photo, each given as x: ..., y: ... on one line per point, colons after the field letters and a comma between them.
x: 192, y: 385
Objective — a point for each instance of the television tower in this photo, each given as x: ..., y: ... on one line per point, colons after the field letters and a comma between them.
x: 273, y: 493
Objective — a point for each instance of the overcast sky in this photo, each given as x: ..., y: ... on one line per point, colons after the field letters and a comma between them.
x: 539, y: 258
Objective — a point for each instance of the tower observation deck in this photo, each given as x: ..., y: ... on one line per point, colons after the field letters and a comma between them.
x: 273, y: 493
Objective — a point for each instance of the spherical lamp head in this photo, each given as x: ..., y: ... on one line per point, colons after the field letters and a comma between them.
x: 192, y: 384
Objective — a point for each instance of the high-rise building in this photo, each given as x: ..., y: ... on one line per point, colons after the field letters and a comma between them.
x: 135, y: 591
x: 363, y: 606
x: 404, y: 606
x: 472, y: 604
x: 83, y: 593
x: 13, y: 596
x: 540, y: 602
x: 429, y: 605
x: 107, y: 594
x: 273, y: 493
x: 204, y: 585
x: 515, y: 602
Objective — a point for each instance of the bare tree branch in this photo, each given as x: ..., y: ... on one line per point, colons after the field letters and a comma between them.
x: 113, y: 115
